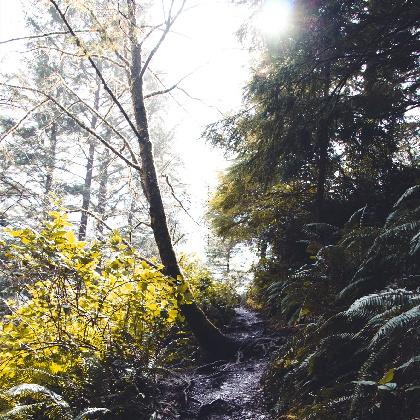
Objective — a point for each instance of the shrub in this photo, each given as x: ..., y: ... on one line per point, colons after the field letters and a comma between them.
x: 87, y: 321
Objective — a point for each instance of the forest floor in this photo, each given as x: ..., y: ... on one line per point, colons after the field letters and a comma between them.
x: 231, y: 390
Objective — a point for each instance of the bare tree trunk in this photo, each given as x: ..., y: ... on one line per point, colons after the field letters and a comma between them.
x: 211, y: 340
x: 103, y: 190
x: 323, y: 142
x: 87, y: 187
x: 228, y: 256
x: 51, y: 160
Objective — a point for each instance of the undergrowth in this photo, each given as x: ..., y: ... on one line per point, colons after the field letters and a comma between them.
x: 356, y: 309
x: 88, y: 329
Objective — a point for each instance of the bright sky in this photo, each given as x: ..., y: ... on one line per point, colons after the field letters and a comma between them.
x: 203, y: 41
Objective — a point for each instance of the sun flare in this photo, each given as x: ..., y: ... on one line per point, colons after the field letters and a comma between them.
x: 274, y: 17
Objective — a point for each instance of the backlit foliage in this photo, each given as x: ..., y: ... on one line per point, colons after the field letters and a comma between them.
x: 78, y: 305
x: 87, y: 326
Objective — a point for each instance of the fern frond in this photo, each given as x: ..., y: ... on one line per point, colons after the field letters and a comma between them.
x: 35, y: 390
x: 92, y: 413
x: 357, y: 218
x: 415, y: 245
x: 376, y: 322
x: 339, y: 401
x: 413, y: 193
x: 31, y: 400
x: 360, y: 284
x: 399, y: 322
x: 407, y: 228
x: 409, y: 364
x: 385, y: 300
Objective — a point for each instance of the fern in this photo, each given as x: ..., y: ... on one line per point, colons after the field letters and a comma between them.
x: 33, y: 399
x: 411, y: 194
x: 397, y: 323
x: 357, y: 218
x: 92, y: 413
x: 385, y: 300
x: 376, y: 322
x: 34, y: 390
x: 415, y: 245
x: 408, y: 228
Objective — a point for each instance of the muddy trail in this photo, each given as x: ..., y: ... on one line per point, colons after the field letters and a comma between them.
x: 231, y: 390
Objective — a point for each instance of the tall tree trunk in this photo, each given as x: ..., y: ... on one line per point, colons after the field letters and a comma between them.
x: 103, y: 190
x: 323, y: 141
x: 228, y: 256
x: 87, y: 187
x: 51, y: 158
x: 210, y: 338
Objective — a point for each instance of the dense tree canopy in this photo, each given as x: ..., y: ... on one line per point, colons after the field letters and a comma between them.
x: 326, y: 115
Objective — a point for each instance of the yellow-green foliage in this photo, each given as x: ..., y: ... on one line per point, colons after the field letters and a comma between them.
x: 217, y: 298
x: 79, y: 301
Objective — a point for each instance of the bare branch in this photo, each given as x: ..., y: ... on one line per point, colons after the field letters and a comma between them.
x: 150, y: 32
x: 95, y: 216
x: 79, y: 122
x: 12, y: 129
x: 178, y: 200
x: 72, y: 54
x: 46, y: 35
x: 161, y: 92
x: 96, y: 68
x: 106, y: 122
x: 169, y: 22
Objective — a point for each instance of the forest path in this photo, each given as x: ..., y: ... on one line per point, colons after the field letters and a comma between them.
x: 231, y: 390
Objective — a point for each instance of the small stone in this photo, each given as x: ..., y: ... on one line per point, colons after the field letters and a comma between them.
x: 217, y: 406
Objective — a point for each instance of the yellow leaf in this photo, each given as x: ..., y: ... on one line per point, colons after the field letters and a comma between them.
x: 14, y: 233
x: 70, y: 236
x: 388, y: 377
x: 304, y: 311
x: 172, y: 314
x: 55, y: 368
x: 151, y: 288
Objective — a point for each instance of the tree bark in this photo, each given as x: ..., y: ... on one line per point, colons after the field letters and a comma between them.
x: 210, y: 338
x: 323, y: 141
x: 103, y: 190
x: 51, y: 157
x: 87, y: 187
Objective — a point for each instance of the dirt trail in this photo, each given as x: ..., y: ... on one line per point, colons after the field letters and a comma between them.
x: 231, y: 390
